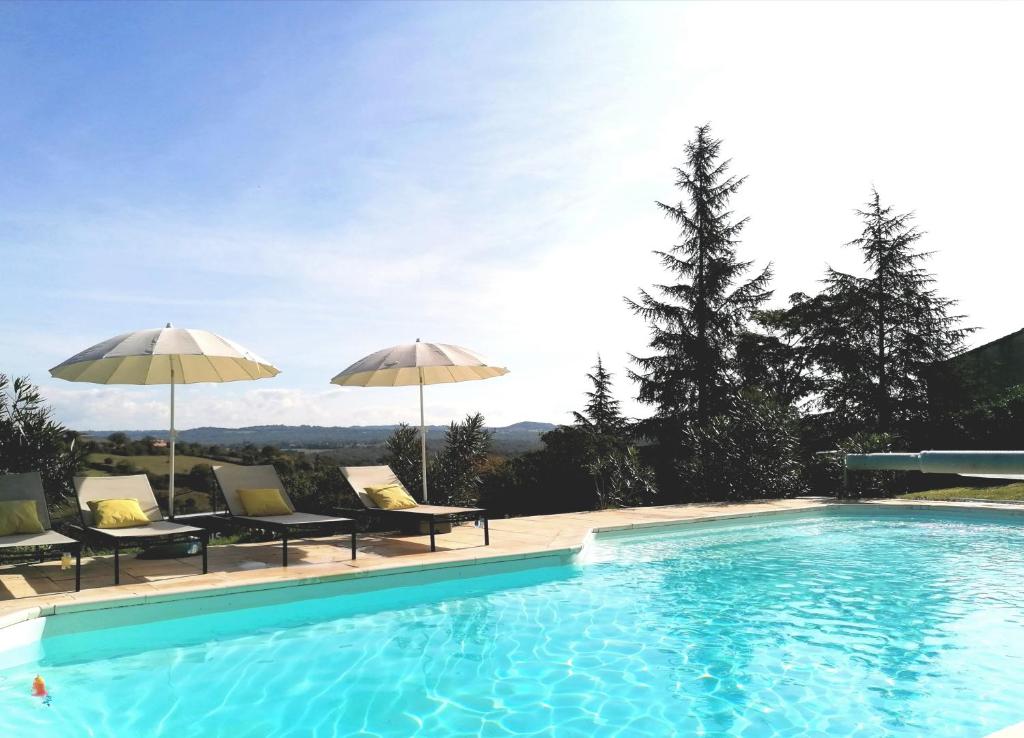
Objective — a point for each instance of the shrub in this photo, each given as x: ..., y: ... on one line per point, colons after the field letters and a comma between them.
x: 578, y: 469
x: 750, y: 451
x: 31, y: 440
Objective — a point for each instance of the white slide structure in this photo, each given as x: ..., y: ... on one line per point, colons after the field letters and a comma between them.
x: 985, y: 464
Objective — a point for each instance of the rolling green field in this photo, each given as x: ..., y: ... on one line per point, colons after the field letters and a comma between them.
x: 187, y: 499
x: 1005, y: 493
x: 151, y: 464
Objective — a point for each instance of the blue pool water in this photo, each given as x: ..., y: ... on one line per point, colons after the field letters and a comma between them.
x: 838, y: 624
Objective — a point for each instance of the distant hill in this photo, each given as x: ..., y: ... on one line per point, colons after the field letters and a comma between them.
x: 518, y: 437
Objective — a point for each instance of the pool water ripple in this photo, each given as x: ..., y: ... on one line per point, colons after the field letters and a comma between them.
x: 840, y: 624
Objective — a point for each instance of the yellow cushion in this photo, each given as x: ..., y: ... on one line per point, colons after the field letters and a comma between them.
x: 390, y: 497
x: 263, y: 502
x: 19, y: 516
x: 125, y: 513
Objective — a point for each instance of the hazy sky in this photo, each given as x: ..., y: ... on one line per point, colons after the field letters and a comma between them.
x: 319, y: 181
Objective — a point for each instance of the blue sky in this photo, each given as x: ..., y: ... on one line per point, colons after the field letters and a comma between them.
x: 316, y: 181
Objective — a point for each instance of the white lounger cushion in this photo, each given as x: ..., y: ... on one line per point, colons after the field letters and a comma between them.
x: 46, y: 538
x: 294, y: 519
x: 155, y: 529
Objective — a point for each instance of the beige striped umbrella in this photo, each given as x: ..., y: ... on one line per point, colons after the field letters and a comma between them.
x: 165, y: 356
x: 418, y: 363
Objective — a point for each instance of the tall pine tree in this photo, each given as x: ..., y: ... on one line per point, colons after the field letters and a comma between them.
x: 695, y: 319
x: 875, y: 337
x: 602, y: 413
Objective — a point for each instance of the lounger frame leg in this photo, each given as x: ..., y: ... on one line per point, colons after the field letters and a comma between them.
x: 117, y: 563
x: 353, y: 544
x: 284, y: 549
x: 78, y: 568
x: 433, y: 546
x: 487, y: 533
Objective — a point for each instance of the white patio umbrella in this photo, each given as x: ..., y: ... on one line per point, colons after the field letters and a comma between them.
x: 418, y: 363
x: 165, y: 356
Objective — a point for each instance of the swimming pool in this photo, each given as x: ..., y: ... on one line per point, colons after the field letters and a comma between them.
x: 838, y: 623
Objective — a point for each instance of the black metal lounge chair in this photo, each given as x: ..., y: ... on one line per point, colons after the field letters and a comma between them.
x: 361, y: 477
x: 296, y: 524
x: 158, y: 531
x: 29, y: 486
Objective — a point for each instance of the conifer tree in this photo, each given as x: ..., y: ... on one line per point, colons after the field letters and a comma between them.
x: 696, y: 317
x: 602, y: 413
x: 875, y: 337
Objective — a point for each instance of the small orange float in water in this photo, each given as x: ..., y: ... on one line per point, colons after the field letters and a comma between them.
x: 38, y: 687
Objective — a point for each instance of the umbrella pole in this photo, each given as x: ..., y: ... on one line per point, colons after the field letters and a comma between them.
x: 423, y: 441
x: 170, y: 491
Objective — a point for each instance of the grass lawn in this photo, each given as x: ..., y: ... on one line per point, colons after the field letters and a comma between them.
x: 186, y: 499
x: 1008, y: 492
x: 152, y: 464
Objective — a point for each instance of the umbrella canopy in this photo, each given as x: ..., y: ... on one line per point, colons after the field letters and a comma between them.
x: 418, y: 363
x: 165, y: 356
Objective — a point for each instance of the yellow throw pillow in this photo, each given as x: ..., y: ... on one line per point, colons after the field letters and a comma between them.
x: 19, y: 516
x: 125, y: 513
x: 263, y: 502
x: 390, y: 497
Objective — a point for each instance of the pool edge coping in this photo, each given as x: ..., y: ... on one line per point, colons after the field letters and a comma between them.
x: 115, y: 599
x: 589, y: 535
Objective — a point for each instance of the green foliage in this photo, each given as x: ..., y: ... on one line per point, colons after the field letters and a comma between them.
x: 621, y: 477
x: 873, y: 339
x: 31, y: 440
x: 199, y: 478
x: 124, y: 468
x: 827, y: 477
x: 552, y: 480
x: 403, y: 454
x: 993, y: 423
x: 751, y: 450
x: 602, y: 413
x: 314, y: 482
x: 999, y: 493
x: 774, y: 359
x: 578, y: 469
x: 453, y: 474
x: 455, y: 470
x: 695, y: 320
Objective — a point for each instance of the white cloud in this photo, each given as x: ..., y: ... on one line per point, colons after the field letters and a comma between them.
x: 499, y: 193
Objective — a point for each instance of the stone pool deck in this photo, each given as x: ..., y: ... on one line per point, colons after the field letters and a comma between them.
x: 30, y: 590
x: 33, y: 589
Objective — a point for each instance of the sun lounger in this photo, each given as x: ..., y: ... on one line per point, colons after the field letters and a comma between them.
x: 158, y: 531
x: 296, y: 524
x: 361, y: 477
x: 29, y: 486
